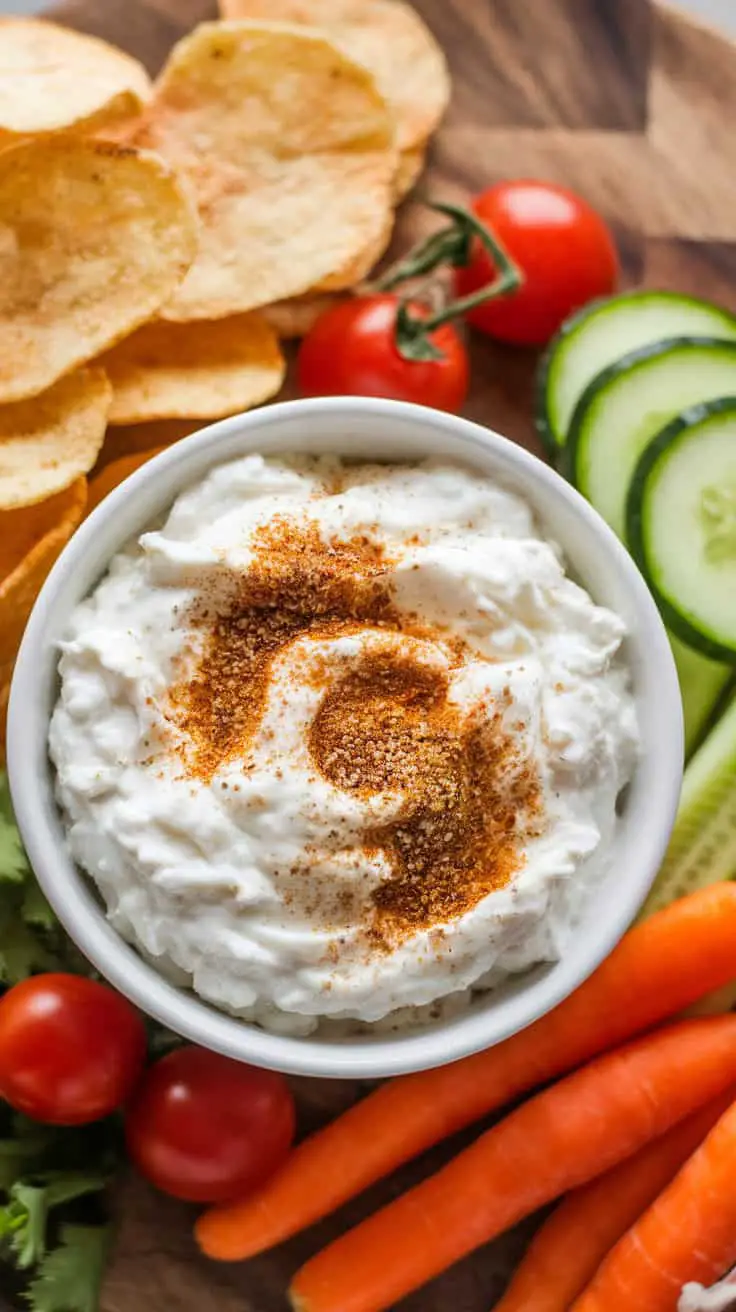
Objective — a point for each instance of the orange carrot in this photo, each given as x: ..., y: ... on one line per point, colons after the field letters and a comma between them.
x: 689, y: 1233
x: 557, y: 1141
x: 660, y: 967
x: 565, y: 1253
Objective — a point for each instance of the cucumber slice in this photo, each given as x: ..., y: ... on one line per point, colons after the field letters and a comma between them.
x: 597, y: 336
x: 681, y: 518
x: 626, y: 406
x: 703, y: 686
x: 702, y: 849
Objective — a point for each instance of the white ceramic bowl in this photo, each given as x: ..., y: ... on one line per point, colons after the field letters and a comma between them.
x: 376, y: 430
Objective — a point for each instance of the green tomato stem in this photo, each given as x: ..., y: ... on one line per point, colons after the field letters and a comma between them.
x: 451, y: 246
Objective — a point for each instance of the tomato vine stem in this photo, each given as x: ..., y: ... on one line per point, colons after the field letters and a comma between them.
x: 450, y: 247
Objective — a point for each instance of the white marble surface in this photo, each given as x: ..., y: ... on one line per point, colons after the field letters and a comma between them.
x: 722, y: 13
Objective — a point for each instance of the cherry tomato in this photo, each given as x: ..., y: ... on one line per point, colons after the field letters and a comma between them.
x: 559, y: 243
x: 351, y: 351
x: 204, y: 1128
x: 71, y: 1050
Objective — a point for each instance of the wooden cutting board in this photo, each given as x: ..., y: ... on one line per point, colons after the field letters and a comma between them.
x: 633, y: 106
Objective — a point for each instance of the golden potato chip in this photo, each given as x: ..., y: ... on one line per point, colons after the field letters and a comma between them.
x: 114, y: 474
x: 361, y: 264
x: 47, y: 522
x: 53, y: 79
x: 194, y: 370
x: 386, y: 36
x: 289, y: 147
x: 411, y: 167
x: 30, y: 541
x: 294, y: 318
x: 94, y: 238
x: 47, y: 442
x: 134, y: 439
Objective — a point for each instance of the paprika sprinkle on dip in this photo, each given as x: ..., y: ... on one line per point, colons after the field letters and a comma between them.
x: 469, y: 798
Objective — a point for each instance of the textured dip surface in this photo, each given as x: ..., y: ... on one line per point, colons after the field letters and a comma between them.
x: 342, y: 741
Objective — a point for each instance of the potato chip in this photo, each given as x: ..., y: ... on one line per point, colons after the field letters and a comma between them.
x: 114, y: 474
x: 48, y: 442
x: 30, y: 541
x: 21, y: 531
x: 289, y: 147
x: 294, y: 318
x: 411, y: 167
x: 53, y: 79
x: 94, y: 238
x: 194, y: 370
x: 361, y: 264
x: 387, y: 37
x: 134, y: 439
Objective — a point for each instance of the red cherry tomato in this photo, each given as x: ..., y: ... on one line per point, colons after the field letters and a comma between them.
x: 351, y: 351
x: 71, y: 1050
x: 560, y: 244
x: 205, y: 1128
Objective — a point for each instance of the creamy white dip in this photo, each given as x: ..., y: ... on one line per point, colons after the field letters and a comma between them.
x: 249, y: 863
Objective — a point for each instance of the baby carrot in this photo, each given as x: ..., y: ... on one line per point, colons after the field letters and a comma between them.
x: 557, y: 1141
x: 689, y: 1233
x: 660, y: 967
x: 566, y: 1251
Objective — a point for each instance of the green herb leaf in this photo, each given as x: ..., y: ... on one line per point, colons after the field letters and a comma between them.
x: 21, y: 950
x: 63, y: 1186
x: 14, y: 867
x: 36, y: 910
x: 23, y: 1221
x: 30, y: 939
x: 19, y: 1157
x: 69, y: 1278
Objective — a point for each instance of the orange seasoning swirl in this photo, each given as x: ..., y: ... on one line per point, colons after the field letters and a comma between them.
x: 296, y: 584
x: 469, y: 797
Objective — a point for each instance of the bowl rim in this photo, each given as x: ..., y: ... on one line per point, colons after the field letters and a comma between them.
x: 31, y: 786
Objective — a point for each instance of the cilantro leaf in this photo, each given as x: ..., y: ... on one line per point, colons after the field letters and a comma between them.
x: 14, y: 867
x: 24, y: 1219
x: 21, y: 950
x: 36, y: 910
x: 69, y: 1278
x: 20, y: 1156
x: 23, y: 1224
x: 30, y: 939
x: 63, y: 1187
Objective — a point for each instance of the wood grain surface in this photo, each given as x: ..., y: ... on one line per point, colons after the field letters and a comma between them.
x: 633, y: 106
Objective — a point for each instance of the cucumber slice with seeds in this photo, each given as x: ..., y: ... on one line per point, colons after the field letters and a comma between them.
x: 627, y: 405
x: 681, y: 520
x: 702, y: 849
x: 597, y: 336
